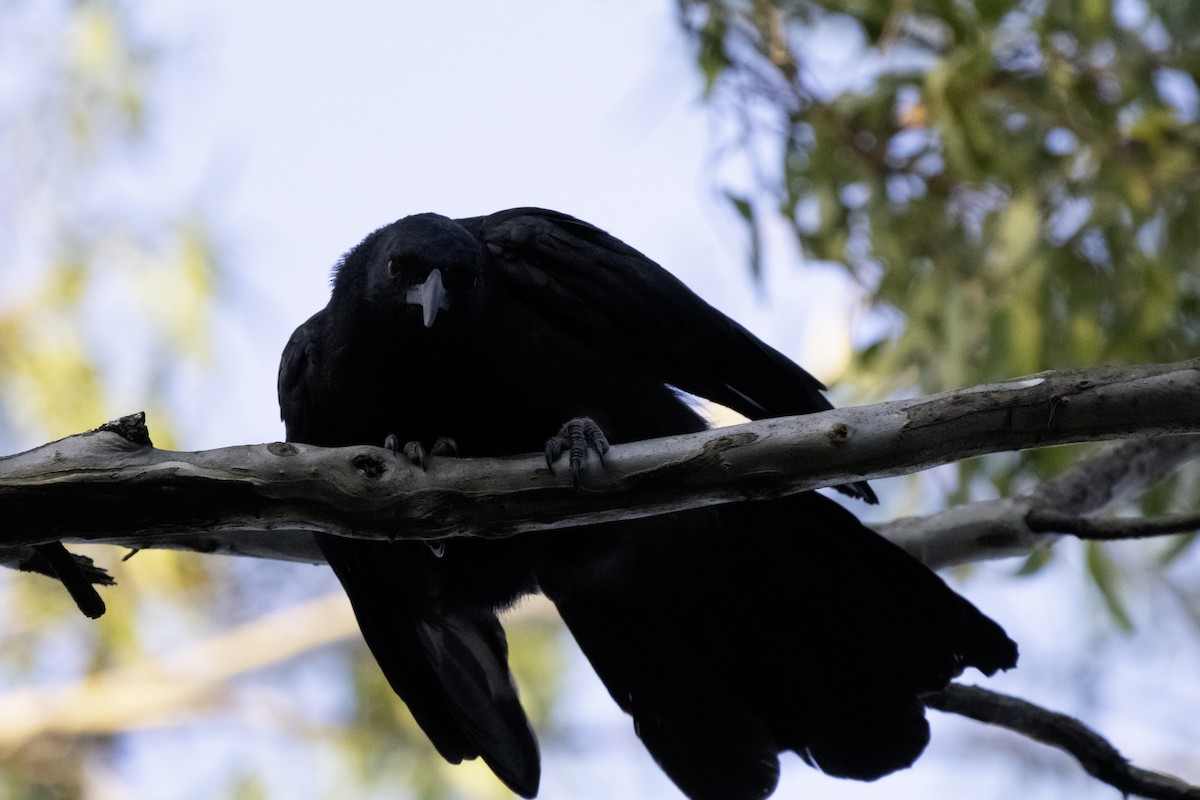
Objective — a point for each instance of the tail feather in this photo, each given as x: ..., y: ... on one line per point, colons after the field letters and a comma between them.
x: 702, y: 735
x: 469, y: 656
x: 733, y: 634
x: 448, y: 664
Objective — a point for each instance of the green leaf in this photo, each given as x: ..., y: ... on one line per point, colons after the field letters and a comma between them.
x: 1038, y: 558
x: 712, y: 56
x: 1178, y: 546
x: 745, y: 210
x: 1105, y: 577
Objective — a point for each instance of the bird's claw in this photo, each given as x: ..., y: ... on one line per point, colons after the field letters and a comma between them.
x: 416, y: 453
x: 576, y: 437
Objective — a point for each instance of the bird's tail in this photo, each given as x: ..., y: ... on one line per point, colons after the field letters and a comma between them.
x: 735, y: 633
x: 449, y: 664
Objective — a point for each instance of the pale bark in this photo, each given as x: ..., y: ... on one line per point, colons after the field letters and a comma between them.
x: 266, y: 500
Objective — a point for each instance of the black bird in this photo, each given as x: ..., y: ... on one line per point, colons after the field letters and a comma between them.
x: 729, y: 634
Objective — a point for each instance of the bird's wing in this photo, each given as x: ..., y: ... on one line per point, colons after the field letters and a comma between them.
x: 448, y: 665
x: 608, y: 587
x: 581, y: 279
x: 733, y: 633
x: 599, y: 285
x: 296, y: 374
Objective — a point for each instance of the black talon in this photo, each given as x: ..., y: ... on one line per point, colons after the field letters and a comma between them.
x: 553, y: 451
x: 577, y: 436
x: 415, y: 452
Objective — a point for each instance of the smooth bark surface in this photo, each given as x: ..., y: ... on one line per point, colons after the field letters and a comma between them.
x: 264, y: 500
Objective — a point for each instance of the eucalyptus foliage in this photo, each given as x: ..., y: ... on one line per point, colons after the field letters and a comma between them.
x: 1016, y: 180
x: 1015, y: 184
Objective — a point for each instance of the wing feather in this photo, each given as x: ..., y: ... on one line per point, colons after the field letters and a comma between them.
x: 586, y: 281
x: 448, y: 665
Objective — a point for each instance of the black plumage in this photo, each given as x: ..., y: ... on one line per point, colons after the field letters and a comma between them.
x: 730, y: 634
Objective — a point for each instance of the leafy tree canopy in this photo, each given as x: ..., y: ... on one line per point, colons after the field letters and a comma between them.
x: 1016, y: 180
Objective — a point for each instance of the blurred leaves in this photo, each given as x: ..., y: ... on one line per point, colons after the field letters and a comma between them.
x: 105, y: 73
x: 77, y: 257
x: 386, y: 748
x: 105, y: 289
x: 1105, y: 576
x: 745, y: 210
x: 1015, y: 185
x: 1018, y: 180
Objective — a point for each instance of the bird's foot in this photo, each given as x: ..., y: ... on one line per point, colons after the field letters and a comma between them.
x: 416, y: 453
x: 576, y: 437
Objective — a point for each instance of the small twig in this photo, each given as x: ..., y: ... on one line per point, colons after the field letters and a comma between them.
x: 1064, y: 504
x: 28, y: 559
x: 1094, y: 753
x: 69, y: 571
x: 1048, y: 521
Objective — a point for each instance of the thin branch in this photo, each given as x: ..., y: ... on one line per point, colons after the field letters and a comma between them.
x: 159, y: 690
x: 1049, y: 521
x: 267, y: 500
x: 71, y: 573
x: 965, y: 534
x: 1125, y: 469
x: 164, y: 689
x: 1013, y: 526
x: 1094, y: 753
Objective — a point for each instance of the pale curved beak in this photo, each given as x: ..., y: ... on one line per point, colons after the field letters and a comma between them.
x: 431, y: 296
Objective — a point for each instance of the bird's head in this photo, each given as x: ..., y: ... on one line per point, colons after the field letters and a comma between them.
x: 417, y: 267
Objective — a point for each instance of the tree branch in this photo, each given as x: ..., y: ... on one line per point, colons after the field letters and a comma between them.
x: 156, y: 690
x: 1101, y: 760
x: 1124, y: 470
x: 77, y: 581
x: 965, y: 534
x: 1013, y: 526
x: 267, y: 500
x: 1050, y: 521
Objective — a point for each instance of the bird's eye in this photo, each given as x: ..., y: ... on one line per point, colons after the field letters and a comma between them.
x: 402, y: 264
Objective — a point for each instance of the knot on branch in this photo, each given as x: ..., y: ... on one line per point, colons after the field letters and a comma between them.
x: 371, y: 466
x: 132, y: 428
x: 839, y: 433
